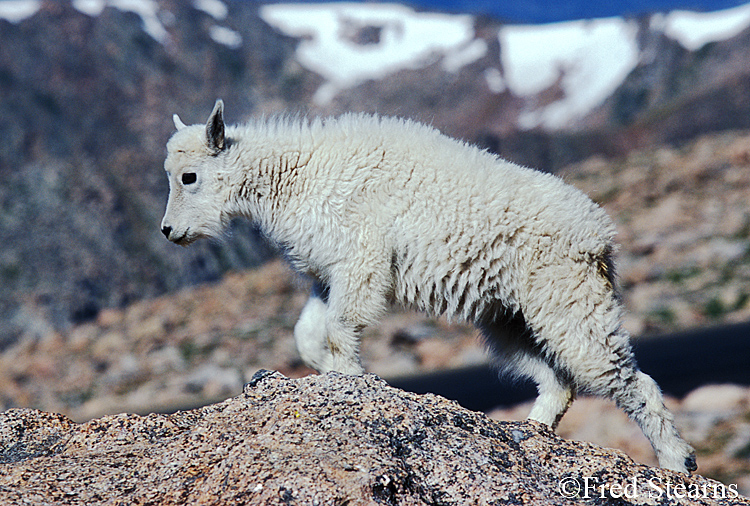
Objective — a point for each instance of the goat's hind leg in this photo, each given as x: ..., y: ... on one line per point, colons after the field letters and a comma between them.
x: 579, y: 325
x: 515, y: 353
x: 555, y: 394
x: 641, y: 398
x: 607, y: 368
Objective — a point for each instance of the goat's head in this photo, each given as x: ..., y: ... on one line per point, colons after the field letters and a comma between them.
x: 193, y: 165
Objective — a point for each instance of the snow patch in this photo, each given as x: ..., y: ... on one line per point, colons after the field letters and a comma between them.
x: 349, y: 43
x: 16, y: 11
x: 462, y: 56
x: 148, y: 10
x: 494, y: 79
x: 696, y: 29
x: 588, y: 60
x: 225, y: 36
x: 90, y: 7
x: 214, y: 8
x: 220, y: 34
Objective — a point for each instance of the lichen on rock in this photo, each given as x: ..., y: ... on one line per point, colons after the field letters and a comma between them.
x: 324, y: 439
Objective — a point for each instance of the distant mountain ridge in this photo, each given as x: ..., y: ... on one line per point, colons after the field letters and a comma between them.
x: 591, y: 85
x: 88, y: 89
x: 549, y: 11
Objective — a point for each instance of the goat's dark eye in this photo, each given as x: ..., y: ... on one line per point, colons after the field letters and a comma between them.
x: 189, y: 178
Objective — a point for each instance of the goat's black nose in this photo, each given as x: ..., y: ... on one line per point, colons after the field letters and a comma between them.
x: 166, y: 231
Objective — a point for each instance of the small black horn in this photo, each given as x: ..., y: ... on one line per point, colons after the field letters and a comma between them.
x: 215, y: 128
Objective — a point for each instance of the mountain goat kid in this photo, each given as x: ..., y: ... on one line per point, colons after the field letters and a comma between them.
x: 379, y: 210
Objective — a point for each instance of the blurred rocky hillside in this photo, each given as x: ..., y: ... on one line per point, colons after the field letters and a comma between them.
x: 684, y: 262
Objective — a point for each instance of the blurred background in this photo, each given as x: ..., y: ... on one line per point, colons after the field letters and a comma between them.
x: 642, y: 104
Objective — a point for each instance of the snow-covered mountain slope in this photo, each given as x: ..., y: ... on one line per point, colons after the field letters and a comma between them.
x: 696, y: 29
x: 588, y: 58
x: 154, y: 18
x: 349, y: 43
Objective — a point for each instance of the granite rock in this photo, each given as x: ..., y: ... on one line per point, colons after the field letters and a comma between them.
x: 327, y: 440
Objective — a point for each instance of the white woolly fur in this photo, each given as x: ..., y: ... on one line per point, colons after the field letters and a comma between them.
x: 379, y: 210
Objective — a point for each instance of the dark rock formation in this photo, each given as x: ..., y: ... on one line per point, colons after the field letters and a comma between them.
x: 86, y: 113
x: 326, y: 440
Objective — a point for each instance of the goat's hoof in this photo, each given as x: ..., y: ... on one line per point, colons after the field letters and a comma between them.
x: 690, y: 463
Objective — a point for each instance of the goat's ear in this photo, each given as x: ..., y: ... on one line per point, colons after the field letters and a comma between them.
x: 178, y: 124
x: 215, y: 128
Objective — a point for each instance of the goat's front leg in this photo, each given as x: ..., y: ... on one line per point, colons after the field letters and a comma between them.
x: 310, y: 332
x: 356, y: 299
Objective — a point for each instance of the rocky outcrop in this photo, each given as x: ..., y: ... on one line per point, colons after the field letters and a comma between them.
x: 327, y: 439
